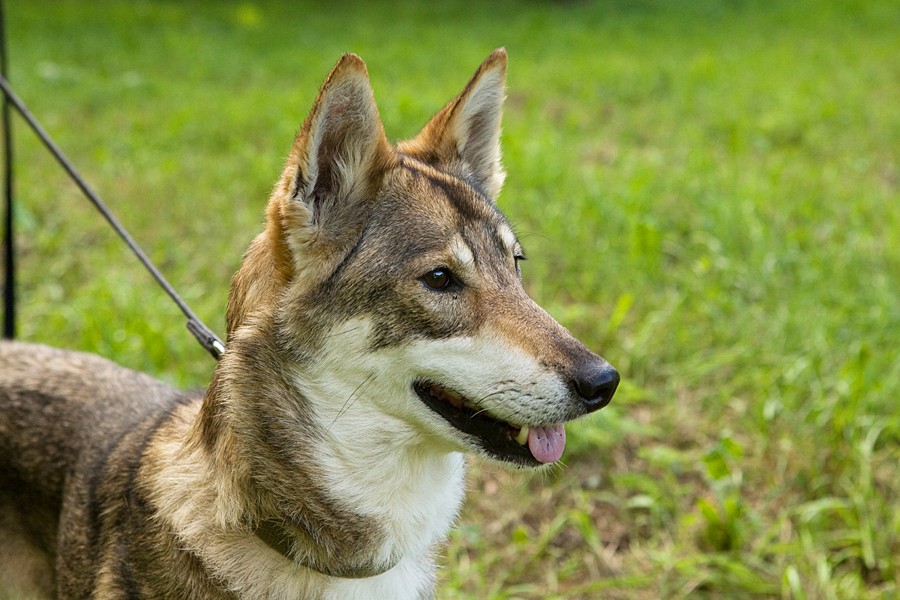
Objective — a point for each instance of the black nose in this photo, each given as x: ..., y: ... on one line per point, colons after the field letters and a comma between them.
x: 596, y: 382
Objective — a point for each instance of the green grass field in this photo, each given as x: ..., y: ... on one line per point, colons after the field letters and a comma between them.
x: 708, y: 195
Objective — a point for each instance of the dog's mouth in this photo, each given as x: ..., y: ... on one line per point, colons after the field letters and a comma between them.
x: 523, y: 445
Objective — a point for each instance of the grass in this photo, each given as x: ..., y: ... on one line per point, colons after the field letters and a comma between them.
x: 708, y: 193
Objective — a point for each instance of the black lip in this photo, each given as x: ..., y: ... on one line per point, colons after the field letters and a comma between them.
x: 493, y: 436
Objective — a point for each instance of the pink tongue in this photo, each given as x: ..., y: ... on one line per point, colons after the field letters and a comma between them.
x: 547, y: 443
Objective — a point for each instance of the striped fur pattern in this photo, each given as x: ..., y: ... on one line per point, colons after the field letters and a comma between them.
x: 377, y: 331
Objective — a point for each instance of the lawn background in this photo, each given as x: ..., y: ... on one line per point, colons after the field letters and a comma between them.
x: 708, y: 195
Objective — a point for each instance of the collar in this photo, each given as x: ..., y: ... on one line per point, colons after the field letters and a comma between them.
x: 277, y: 537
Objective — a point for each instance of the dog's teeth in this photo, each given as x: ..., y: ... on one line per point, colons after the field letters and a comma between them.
x: 523, y: 436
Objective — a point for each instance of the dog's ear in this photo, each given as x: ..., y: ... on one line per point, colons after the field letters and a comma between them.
x: 338, y: 154
x: 336, y: 163
x: 464, y: 137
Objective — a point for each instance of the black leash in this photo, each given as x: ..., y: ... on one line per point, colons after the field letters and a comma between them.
x: 204, y: 334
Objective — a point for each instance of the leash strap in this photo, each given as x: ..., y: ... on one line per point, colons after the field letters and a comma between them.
x: 204, y: 334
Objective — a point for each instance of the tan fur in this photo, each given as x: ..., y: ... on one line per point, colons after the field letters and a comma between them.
x: 464, y: 136
x: 313, y: 466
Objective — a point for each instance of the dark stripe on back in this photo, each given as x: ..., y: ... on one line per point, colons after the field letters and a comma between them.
x: 99, y: 472
x: 125, y: 577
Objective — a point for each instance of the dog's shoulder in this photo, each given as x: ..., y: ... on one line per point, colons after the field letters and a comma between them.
x: 74, y: 428
x: 57, y: 406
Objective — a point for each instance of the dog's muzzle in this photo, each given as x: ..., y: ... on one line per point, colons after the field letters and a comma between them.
x: 594, y: 383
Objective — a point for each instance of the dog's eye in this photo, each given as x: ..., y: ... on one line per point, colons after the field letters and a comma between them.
x: 519, y: 257
x: 438, y: 279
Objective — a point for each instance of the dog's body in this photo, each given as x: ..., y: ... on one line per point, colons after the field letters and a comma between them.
x: 377, y: 328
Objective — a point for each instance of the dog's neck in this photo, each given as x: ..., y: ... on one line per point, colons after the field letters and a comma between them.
x: 278, y: 537
x: 400, y: 518
x: 210, y: 511
x: 343, y: 492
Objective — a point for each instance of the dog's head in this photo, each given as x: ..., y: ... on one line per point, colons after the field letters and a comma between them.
x: 390, y: 282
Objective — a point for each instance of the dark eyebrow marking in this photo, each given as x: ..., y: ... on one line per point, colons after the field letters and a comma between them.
x: 458, y: 191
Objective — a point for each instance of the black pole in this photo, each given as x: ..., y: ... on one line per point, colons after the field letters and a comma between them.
x: 204, y: 334
x: 9, y: 288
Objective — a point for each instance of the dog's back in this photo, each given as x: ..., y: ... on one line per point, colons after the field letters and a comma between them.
x: 50, y: 400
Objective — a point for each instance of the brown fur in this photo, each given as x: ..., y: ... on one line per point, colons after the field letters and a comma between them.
x: 114, y: 485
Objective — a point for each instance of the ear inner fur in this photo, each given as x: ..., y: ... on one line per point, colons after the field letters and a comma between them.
x: 336, y: 163
x: 464, y: 137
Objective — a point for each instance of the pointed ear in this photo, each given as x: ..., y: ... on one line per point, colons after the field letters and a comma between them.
x: 340, y: 151
x: 464, y: 137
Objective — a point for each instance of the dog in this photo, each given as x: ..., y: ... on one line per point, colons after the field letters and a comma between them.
x: 377, y: 329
